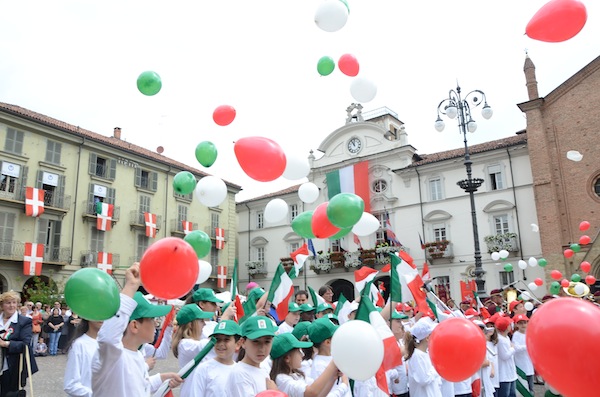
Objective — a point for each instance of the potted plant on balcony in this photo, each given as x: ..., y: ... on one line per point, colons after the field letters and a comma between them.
x: 498, y: 242
x: 337, y: 258
x: 319, y: 267
x: 368, y: 257
x: 255, y: 268
x: 436, y: 249
x: 287, y: 263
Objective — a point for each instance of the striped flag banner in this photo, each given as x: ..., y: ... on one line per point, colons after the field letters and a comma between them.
x: 351, y: 179
x: 522, y: 385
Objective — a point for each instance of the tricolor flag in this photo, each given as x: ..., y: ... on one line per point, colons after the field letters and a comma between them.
x: 235, y: 298
x: 406, y: 283
x: 105, y: 262
x: 421, y: 241
x: 280, y: 291
x: 522, y: 385
x: 311, y: 248
x: 357, y: 241
x: 299, y: 256
x: 425, y: 275
x: 316, y: 299
x: 219, y: 238
x: 221, y: 276
x: 32, y: 259
x: 351, y: 179
x: 391, y: 236
x: 392, y: 356
x: 363, y: 276
x: 34, y: 201
x: 104, y: 216
x: 342, y: 301
x: 150, y: 220
x: 187, y: 227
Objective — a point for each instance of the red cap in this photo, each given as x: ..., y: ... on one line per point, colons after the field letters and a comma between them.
x: 513, y: 304
x: 471, y: 312
x: 502, y: 323
x: 494, y: 318
x: 520, y: 317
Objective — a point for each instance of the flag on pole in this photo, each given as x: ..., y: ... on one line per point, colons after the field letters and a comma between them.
x: 311, y: 248
x: 351, y: 179
x: 522, y: 385
x: 362, y: 276
x: 34, y: 201
x: 425, y: 275
x: 421, y: 241
x: 32, y: 259
x: 357, y: 241
x: 406, y: 282
x: 342, y: 301
x: 485, y: 314
x: 299, y: 256
x: 391, y: 236
x: 220, y: 238
x: 221, y: 276
x: 165, y: 324
x: 187, y: 227
x: 280, y: 291
x: 104, y: 214
x: 316, y: 299
x: 235, y: 298
x: 105, y: 260
x: 150, y: 220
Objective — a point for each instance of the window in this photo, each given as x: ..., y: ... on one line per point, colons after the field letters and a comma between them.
x: 214, y: 224
x: 380, y: 236
x: 142, y: 245
x: 496, y: 180
x: 7, y: 183
x: 506, y: 278
x: 182, y: 214
x: 214, y: 260
x: 53, y: 150
x: 100, y: 194
x: 49, y: 235
x: 9, y: 178
x: 379, y: 186
x: 54, y: 187
x: 144, y: 204
x: 260, y: 220
x: 7, y: 229
x: 439, y: 232
x: 597, y: 187
x: 14, y: 141
x: 294, y: 246
x: 102, y: 167
x: 146, y: 180
x: 501, y: 224
x: 293, y: 211
x: 97, y: 240
x: 435, y: 189
x: 260, y: 254
x: 336, y: 246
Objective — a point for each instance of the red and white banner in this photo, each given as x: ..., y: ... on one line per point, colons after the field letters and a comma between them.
x: 221, y: 276
x: 220, y: 237
x: 33, y: 258
x: 104, y: 216
x: 105, y: 262
x: 34, y: 201
x: 187, y: 227
x: 150, y: 220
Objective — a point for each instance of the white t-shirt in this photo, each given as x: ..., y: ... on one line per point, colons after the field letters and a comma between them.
x: 209, y: 328
x: 507, y: 372
x: 397, y: 377
x: 188, y: 349
x: 246, y: 380
x: 522, y: 359
x: 285, y: 328
x: 295, y: 385
x: 493, y: 357
x: 78, y: 372
x: 319, y: 363
x: 423, y: 380
x: 162, y: 352
x: 209, y: 379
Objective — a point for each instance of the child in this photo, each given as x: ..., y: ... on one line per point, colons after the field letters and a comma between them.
x: 301, y: 333
x: 291, y: 319
x: 247, y: 378
x: 423, y: 380
x: 206, y: 299
x: 119, y: 369
x: 489, y: 379
x: 287, y: 360
x: 210, y: 378
x: 522, y: 359
x: 398, y: 377
x: 41, y: 350
x: 81, y: 350
x: 320, y: 333
x: 507, y: 371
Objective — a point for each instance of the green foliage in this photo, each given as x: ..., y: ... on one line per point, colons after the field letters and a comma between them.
x: 42, y: 291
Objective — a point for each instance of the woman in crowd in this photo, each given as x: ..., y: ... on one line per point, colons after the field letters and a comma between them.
x: 55, y: 324
x: 36, y: 324
x: 81, y: 349
x: 326, y: 293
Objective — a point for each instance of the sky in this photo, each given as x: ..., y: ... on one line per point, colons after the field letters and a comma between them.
x: 78, y: 61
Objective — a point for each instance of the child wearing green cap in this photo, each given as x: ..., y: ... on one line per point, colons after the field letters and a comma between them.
x: 291, y: 319
x: 210, y: 378
x: 247, y: 377
x: 119, y: 369
x: 285, y: 371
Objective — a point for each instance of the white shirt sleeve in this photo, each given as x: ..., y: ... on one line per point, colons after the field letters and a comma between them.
x: 292, y: 387
x: 73, y: 385
x: 163, y: 350
x: 505, y: 350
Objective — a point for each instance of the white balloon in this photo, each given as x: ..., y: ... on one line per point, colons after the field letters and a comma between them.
x: 296, y: 167
x: 276, y: 210
x: 574, y: 155
x: 533, y: 262
x: 503, y: 254
x: 535, y: 228
x: 522, y: 264
x: 532, y: 286
x: 525, y: 295
x: 579, y: 288
x: 210, y: 191
x: 331, y: 15
x: 308, y: 192
x: 528, y: 306
x: 205, y: 271
x: 357, y: 350
x: 495, y: 256
x: 363, y: 89
x: 366, y: 225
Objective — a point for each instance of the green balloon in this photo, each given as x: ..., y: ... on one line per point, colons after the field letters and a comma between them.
x: 302, y: 224
x: 93, y: 294
x: 576, y: 278
x: 341, y: 233
x: 555, y: 287
x: 199, y: 241
x: 345, y: 209
x: 346, y: 4
x: 206, y: 153
x: 542, y: 262
x: 325, y: 66
x: 184, y: 182
x: 575, y: 247
x: 149, y: 83
x: 508, y: 267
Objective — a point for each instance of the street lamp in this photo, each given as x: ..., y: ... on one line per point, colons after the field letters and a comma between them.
x: 455, y: 106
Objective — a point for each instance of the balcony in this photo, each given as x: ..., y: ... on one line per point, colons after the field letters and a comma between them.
x: 257, y: 269
x: 53, y: 202
x: 90, y: 259
x: 11, y: 250
x: 439, y: 250
x: 89, y: 212
x: 212, y: 233
x: 137, y: 221
x: 176, y: 228
x: 503, y: 241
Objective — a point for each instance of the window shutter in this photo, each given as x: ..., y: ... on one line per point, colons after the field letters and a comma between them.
x: 92, y: 166
x: 110, y: 195
x: 113, y: 170
x: 39, y: 178
x: 42, y: 231
x: 49, y: 151
x: 57, y: 152
x: 138, y: 177
x: 154, y: 181
x: 56, y: 237
x: 60, y: 191
x: 24, y: 170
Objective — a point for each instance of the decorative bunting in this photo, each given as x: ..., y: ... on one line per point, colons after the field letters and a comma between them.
x: 33, y: 258
x: 34, y: 201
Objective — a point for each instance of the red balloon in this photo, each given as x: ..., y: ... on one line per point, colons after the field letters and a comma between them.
x: 457, y: 340
x: 261, y: 158
x: 583, y: 240
x: 271, y: 393
x: 320, y: 224
x: 555, y: 274
x: 538, y: 281
x: 583, y: 226
x: 169, y: 268
x: 568, y: 253
x: 586, y: 266
x: 565, y: 283
x: 589, y: 279
x: 565, y: 319
x: 557, y: 20
x: 348, y: 65
x: 224, y: 115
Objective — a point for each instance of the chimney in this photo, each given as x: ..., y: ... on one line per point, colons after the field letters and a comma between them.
x: 530, y: 81
x: 117, y: 133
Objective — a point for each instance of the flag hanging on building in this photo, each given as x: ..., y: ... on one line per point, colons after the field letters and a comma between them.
x: 150, y: 221
x: 235, y: 298
x: 351, y: 179
x: 421, y: 241
x: 104, y: 215
x: 221, y: 276
x: 425, y: 275
x: 280, y: 291
x: 32, y: 259
x: 219, y: 238
x: 105, y: 260
x: 34, y: 201
x: 299, y: 256
x: 391, y: 236
x: 186, y: 226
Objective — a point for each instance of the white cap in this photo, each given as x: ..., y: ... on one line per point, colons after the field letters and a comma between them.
x: 423, y: 328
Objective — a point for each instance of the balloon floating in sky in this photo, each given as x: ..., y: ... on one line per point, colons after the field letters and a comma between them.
x: 308, y: 192
x: 296, y: 166
x: 584, y: 225
x: 86, y: 287
x: 184, y: 182
x: 325, y: 66
x: 331, y: 15
x: 348, y: 65
x: 206, y: 153
x: 320, y: 224
x: 210, y: 191
x: 276, y: 210
x: 302, y: 224
x: 363, y: 89
x: 574, y: 155
x: 262, y: 159
x: 149, y: 83
x: 224, y: 115
x: 557, y: 20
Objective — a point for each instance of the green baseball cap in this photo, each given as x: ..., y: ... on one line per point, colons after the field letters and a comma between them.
x: 191, y: 312
x: 294, y: 307
x: 227, y: 327
x: 396, y: 315
x: 145, y: 309
x: 286, y: 342
x: 301, y: 329
x: 255, y: 294
x: 321, y: 329
x: 324, y: 306
x: 257, y: 326
x: 307, y: 307
x: 205, y: 295
x: 332, y: 317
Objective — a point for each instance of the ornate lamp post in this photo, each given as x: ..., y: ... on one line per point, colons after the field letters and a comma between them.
x: 456, y: 106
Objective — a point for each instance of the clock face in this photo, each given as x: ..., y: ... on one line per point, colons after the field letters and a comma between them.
x: 354, y: 145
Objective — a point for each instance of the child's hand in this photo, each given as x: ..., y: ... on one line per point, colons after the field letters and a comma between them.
x: 132, y: 280
x: 150, y: 362
x: 271, y: 384
x: 174, y: 379
x: 229, y: 314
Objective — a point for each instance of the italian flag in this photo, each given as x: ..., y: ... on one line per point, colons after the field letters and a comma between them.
x: 351, y: 179
x: 299, y: 256
x: 406, y: 283
x: 235, y: 298
x: 280, y: 292
x: 522, y: 385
